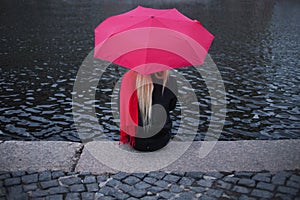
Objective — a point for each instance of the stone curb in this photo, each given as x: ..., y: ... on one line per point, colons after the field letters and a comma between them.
x: 257, y: 155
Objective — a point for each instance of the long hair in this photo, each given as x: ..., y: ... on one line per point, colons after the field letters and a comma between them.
x: 144, y: 85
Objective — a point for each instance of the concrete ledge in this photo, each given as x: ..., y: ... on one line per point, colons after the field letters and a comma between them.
x: 39, y: 156
x: 253, y: 155
x: 250, y: 155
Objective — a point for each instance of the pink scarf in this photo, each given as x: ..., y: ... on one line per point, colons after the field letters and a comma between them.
x: 128, y: 108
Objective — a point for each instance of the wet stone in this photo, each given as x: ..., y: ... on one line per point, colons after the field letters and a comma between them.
x: 186, y: 181
x: 161, y: 183
x: 16, y: 189
x: 287, y: 190
x: 30, y: 187
x: 5, y: 175
x: 93, y: 187
x: 150, y: 180
x: 89, y: 179
x: 265, y: 177
x: 295, y: 178
x: 137, y: 193
x: 171, y: 178
x: 142, y: 185
x: 12, y: 181
x: 262, y: 193
x: 45, y: 176
x: 241, y: 189
x: 283, y: 196
x: 246, y: 182
x: 18, y: 173
x: 70, y: 180
x: 77, y: 188
x: 196, y: 175
x: 157, y: 174
x: 48, y: 184
x: 265, y: 186
x: 119, y: 176
x: 30, y: 178
x: 293, y: 184
x: 57, y: 174
x: 131, y: 180
x: 72, y: 196
x: 55, y: 197
x: 87, y: 196
x: 205, y: 183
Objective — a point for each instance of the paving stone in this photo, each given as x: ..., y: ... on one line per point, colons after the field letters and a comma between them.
x: 214, y: 193
x: 244, y: 197
x: 171, y: 178
x: 105, y: 190
x: 131, y: 180
x: 32, y: 178
x: 119, y: 176
x: 287, y: 190
x: 178, y: 173
x: 166, y: 195
x: 217, y: 175
x: 77, y: 188
x: 187, y: 181
x: 39, y: 193
x: 150, y: 198
x: 157, y: 174
x: 280, y: 178
x: 231, y: 179
x: 265, y: 186
x: 161, y: 183
x: 196, y: 175
x: 30, y: 187
x: 120, y: 195
x: 241, y: 189
x: 113, y: 183
x: 295, y: 178
x: 106, y: 198
x: 243, y: 174
x: 19, y: 196
x: 294, y: 184
x: 18, y: 173
x: 186, y: 196
x: 246, y: 182
x: 262, y: 193
x: 87, y: 196
x: 58, y: 190
x: 45, y: 176
x: 57, y: 174
x: 206, y: 197
x: 126, y: 188
x: 150, y: 180
x: 70, y: 180
x: 12, y: 181
x: 137, y: 193
x: 140, y: 175
x: 223, y: 185
x: 142, y: 185
x: 72, y: 196
x: 132, y: 198
x: 205, y: 183
x: 175, y: 188
x: 55, y: 197
x: 155, y: 189
x: 92, y: 187
x: 283, y: 196
x: 198, y: 189
x: 48, y: 184
x: 103, y: 178
x: 89, y: 179
x: 265, y: 177
x: 5, y: 175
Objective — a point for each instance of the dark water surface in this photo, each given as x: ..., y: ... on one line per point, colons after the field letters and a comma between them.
x: 43, y: 44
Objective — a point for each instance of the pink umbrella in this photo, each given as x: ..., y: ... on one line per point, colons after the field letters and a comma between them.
x: 149, y: 40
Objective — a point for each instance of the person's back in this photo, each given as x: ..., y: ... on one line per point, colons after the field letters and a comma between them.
x: 156, y: 97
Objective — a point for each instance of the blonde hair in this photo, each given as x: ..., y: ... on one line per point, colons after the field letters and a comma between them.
x: 144, y: 85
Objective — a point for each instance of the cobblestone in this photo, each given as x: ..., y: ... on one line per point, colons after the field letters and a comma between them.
x: 154, y: 185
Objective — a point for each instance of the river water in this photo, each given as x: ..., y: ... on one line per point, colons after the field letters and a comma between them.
x: 43, y: 44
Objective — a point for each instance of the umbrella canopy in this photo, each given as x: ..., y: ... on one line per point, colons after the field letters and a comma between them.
x: 149, y: 40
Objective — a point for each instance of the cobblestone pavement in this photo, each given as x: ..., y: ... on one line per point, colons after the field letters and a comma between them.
x: 58, y: 185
